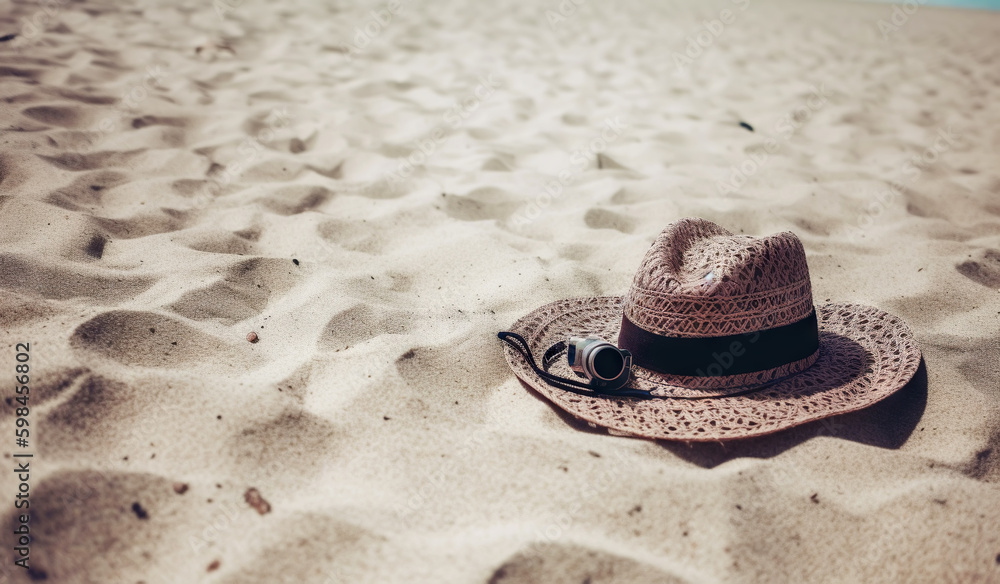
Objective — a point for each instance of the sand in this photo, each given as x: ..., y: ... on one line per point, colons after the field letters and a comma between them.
x: 375, y: 207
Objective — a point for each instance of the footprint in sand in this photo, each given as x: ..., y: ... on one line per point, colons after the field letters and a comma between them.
x: 142, y: 122
x: 552, y: 562
x: 46, y: 387
x: 188, y: 187
x: 296, y: 199
x: 17, y: 310
x: 352, y: 235
x: 362, y: 323
x: 87, y: 419
x: 243, y: 293
x: 75, y: 161
x: 266, y: 450
x: 985, y: 464
x: 326, y: 550
x: 604, y: 219
x: 86, y: 98
x: 224, y: 242
x: 499, y: 163
x: 64, y: 116
x: 605, y: 162
x: 456, y: 365
x: 9, y: 171
x: 77, y: 517
x: 984, y: 270
x: 480, y: 205
x: 272, y: 171
x: 160, y: 221
x: 32, y: 74
x: 95, y: 246
x: 87, y: 190
x: 57, y: 283
x: 388, y: 288
x: 147, y: 339
x: 382, y: 190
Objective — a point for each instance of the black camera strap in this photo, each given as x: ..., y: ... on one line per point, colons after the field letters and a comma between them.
x: 518, y: 343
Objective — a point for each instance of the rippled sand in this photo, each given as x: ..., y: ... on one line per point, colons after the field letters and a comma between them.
x: 175, y: 176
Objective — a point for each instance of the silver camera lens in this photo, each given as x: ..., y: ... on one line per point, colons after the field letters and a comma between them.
x: 605, y: 362
x: 598, y: 360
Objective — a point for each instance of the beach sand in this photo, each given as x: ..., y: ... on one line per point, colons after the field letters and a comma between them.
x: 177, y: 175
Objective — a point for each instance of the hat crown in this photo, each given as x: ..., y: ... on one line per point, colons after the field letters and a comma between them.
x: 698, y: 280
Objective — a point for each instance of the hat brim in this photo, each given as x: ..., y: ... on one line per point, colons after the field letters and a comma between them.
x: 865, y: 356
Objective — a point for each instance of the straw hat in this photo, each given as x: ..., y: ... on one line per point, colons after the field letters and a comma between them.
x: 726, y: 341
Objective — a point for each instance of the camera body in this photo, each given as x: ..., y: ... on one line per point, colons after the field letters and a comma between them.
x: 601, y: 363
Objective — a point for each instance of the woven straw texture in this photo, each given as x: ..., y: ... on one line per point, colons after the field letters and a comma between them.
x: 865, y: 354
x: 699, y: 280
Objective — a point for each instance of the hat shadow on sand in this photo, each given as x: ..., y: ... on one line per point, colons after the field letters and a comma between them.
x: 885, y: 424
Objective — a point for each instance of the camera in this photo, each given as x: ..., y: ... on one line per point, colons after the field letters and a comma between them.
x: 603, y: 364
